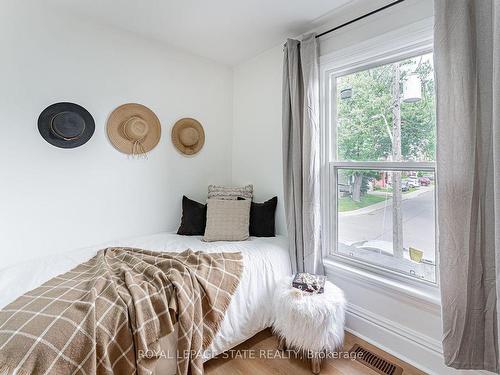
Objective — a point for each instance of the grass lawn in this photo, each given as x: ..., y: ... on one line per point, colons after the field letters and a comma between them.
x: 347, y: 204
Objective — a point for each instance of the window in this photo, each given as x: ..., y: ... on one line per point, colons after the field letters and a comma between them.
x: 381, y: 165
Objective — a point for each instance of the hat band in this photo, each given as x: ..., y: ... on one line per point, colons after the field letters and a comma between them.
x: 137, y: 146
x: 58, y: 134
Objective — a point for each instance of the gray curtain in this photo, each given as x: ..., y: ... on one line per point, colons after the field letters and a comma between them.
x: 301, y: 153
x: 467, y: 65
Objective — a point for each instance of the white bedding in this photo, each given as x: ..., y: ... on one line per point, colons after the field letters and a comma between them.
x: 266, y: 261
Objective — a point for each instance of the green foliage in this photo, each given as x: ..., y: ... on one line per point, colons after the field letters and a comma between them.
x: 363, y: 133
x: 367, y: 175
x: 364, y: 184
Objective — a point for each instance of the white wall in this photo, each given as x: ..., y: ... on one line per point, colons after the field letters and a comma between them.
x: 52, y: 199
x: 257, y: 155
x: 405, y: 325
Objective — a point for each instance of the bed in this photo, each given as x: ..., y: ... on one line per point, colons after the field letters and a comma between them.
x: 266, y: 261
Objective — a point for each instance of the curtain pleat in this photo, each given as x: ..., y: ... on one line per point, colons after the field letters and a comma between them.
x: 301, y: 153
x: 467, y: 63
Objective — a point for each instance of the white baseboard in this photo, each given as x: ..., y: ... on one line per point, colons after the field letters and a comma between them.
x: 397, y: 329
x: 414, y: 348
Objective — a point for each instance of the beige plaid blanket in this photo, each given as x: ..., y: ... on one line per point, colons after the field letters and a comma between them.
x: 106, y: 316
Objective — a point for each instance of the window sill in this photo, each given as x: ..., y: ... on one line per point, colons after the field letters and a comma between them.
x: 422, y: 295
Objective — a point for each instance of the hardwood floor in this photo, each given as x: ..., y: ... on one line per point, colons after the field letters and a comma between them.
x: 264, y: 345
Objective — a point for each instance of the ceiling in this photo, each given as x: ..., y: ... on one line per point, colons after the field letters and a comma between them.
x: 227, y: 31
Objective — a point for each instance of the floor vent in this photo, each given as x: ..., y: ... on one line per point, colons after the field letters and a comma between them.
x: 376, y: 363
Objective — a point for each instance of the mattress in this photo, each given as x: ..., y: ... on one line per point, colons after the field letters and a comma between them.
x: 266, y: 261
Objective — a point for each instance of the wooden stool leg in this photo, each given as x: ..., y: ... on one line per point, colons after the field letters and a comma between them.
x: 315, y: 365
x: 281, y: 344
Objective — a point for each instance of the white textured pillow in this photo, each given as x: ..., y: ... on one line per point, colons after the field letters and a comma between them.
x: 227, y: 220
x: 224, y: 192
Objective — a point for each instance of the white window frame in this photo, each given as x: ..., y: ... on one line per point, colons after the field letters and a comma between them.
x: 412, y: 40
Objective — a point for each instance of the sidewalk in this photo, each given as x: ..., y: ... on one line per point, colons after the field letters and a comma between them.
x: 387, y: 203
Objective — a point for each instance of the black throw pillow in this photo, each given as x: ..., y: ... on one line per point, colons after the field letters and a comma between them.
x: 194, y: 218
x: 262, y: 218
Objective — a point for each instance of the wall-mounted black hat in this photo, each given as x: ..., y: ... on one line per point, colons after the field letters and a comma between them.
x: 66, y: 125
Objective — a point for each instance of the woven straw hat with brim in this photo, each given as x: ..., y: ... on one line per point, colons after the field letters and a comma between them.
x: 188, y: 136
x: 133, y: 129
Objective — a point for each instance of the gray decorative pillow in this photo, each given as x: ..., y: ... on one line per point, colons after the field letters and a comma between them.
x: 224, y: 192
x: 227, y: 220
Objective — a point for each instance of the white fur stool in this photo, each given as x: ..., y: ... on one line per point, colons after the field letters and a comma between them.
x: 309, y: 322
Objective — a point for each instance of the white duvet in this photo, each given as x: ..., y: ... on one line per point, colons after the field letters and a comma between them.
x: 266, y: 261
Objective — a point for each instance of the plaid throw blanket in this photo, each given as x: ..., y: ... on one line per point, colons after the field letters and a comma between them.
x: 107, y: 314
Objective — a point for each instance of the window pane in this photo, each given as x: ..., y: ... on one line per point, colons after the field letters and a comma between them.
x: 387, y: 112
x: 394, y: 231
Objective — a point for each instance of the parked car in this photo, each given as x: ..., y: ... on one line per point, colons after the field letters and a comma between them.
x: 424, y: 181
x: 413, y: 182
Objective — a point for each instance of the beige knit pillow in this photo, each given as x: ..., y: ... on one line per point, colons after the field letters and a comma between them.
x: 227, y: 220
x: 225, y: 192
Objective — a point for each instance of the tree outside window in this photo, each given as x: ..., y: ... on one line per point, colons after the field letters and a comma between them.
x: 378, y: 121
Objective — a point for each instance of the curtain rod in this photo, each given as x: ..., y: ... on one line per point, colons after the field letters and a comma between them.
x: 360, y: 18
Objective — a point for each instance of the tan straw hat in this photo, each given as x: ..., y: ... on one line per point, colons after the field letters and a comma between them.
x: 188, y: 136
x: 133, y: 129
